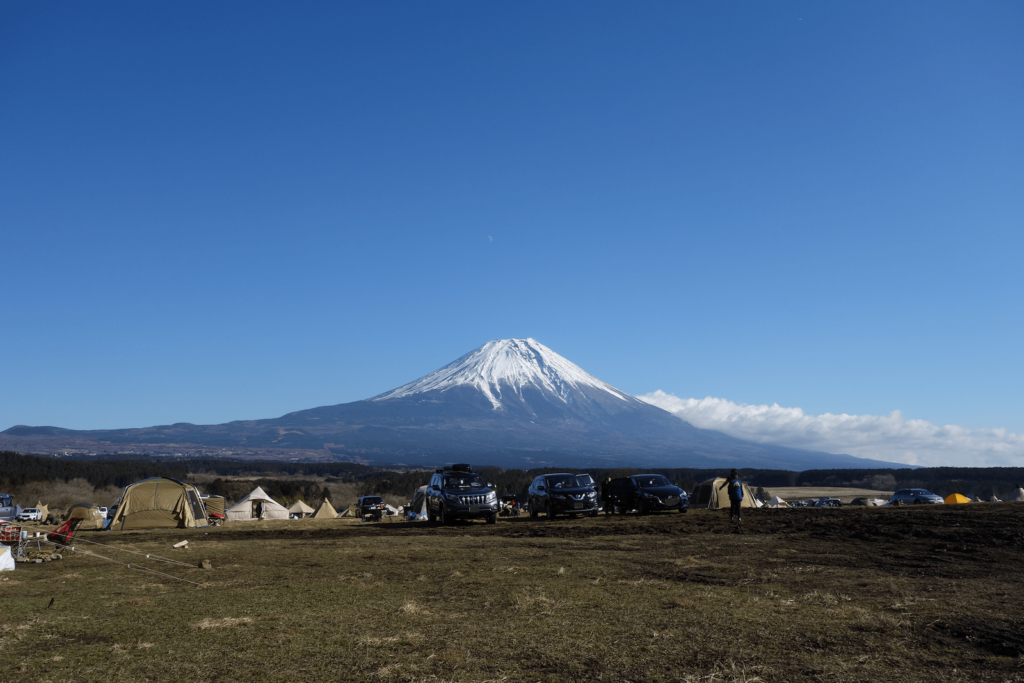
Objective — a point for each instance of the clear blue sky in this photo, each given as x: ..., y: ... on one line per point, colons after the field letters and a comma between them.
x: 233, y: 210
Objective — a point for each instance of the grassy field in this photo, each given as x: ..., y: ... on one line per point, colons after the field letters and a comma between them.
x: 909, y: 594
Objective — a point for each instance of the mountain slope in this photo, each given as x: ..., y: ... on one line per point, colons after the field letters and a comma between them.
x: 511, y: 402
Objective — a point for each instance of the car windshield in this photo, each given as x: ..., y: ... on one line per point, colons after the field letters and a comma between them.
x: 564, y: 481
x: 372, y: 500
x: 653, y: 480
x: 468, y: 481
x: 585, y: 479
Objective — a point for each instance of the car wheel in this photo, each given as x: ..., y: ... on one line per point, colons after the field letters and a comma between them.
x: 431, y: 517
x: 917, y: 501
x: 492, y: 519
x: 442, y: 516
x: 532, y: 510
x: 640, y: 509
x: 550, y: 511
x: 594, y: 513
x: 682, y: 510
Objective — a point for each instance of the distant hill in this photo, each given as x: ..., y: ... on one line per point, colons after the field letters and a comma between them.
x: 509, y: 403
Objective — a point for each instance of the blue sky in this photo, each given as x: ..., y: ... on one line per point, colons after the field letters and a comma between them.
x: 218, y: 211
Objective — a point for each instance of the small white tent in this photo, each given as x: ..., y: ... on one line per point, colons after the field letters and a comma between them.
x: 256, y: 505
x: 301, y: 509
x: 6, y: 559
x: 776, y: 502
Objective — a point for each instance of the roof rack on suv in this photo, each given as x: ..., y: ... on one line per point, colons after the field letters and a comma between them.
x: 457, y: 467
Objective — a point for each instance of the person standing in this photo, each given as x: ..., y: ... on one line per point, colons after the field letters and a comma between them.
x: 735, y: 495
x: 606, y: 496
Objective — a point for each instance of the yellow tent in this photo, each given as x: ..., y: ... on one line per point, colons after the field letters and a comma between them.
x: 325, y: 511
x: 90, y: 514
x: 159, y: 503
x: 956, y: 498
x: 710, y: 494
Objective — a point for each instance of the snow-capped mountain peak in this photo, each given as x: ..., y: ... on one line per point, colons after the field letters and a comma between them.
x: 510, y: 365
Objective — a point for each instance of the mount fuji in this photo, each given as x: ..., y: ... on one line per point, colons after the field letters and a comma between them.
x: 510, y: 402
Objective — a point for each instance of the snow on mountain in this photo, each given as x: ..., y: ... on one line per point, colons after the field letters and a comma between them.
x: 510, y: 365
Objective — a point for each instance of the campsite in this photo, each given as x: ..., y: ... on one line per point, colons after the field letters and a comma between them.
x: 849, y: 594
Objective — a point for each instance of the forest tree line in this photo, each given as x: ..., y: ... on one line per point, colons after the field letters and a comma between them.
x: 311, y: 481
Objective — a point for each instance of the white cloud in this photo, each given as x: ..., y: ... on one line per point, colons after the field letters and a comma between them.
x: 889, y: 437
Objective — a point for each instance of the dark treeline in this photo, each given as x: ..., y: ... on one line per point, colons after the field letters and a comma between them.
x: 16, y: 470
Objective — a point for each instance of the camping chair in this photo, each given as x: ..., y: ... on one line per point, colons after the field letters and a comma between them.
x: 64, y: 534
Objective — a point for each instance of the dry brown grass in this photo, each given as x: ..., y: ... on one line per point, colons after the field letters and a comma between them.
x: 662, y: 598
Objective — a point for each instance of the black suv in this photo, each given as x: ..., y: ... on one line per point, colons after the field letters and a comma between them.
x: 555, y: 494
x: 456, y: 492
x: 370, y: 506
x: 648, y: 493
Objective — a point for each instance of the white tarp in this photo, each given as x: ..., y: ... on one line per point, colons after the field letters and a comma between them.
x: 256, y: 505
x: 777, y: 502
x: 6, y: 559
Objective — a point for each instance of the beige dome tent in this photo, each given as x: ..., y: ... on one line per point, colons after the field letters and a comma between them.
x: 709, y: 494
x: 301, y: 509
x: 159, y: 503
x: 91, y: 516
x: 256, y: 505
x: 325, y: 511
x: 1016, y: 495
x: 776, y: 502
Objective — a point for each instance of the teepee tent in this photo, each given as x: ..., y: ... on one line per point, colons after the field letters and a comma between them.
x: 956, y: 498
x: 91, y: 516
x: 710, y: 494
x: 301, y: 509
x: 326, y: 510
x: 1016, y: 495
x: 159, y: 503
x: 350, y: 511
x: 776, y: 502
x: 256, y: 505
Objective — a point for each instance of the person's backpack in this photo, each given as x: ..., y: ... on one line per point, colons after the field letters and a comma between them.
x: 736, y: 489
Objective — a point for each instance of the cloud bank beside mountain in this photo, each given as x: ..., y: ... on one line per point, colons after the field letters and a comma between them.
x: 890, y: 437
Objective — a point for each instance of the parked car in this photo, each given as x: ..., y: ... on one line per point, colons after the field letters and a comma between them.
x: 587, y: 480
x: 457, y: 492
x: 647, y: 493
x: 8, y: 510
x: 828, y: 503
x: 370, y: 505
x: 561, y: 494
x: 915, y: 496
x: 30, y: 515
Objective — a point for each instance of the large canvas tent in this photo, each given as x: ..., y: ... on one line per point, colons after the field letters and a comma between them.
x: 709, y: 494
x: 159, y: 503
x: 957, y: 498
x: 301, y: 509
x: 91, y: 516
x: 325, y: 511
x: 256, y: 505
